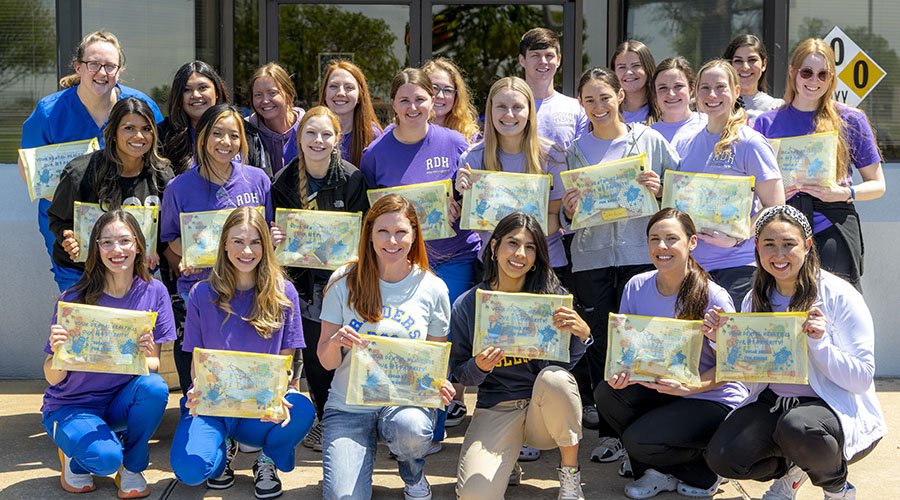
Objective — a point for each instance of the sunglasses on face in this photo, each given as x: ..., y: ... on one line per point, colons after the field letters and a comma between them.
x: 807, y: 73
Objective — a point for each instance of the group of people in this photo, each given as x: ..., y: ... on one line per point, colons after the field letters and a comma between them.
x: 806, y: 255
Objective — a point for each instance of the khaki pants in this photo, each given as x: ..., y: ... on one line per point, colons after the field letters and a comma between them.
x: 550, y: 419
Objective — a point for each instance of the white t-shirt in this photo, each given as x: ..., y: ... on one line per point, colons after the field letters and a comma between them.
x: 413, y: 308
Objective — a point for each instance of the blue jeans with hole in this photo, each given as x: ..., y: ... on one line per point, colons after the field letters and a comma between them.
x: 100, y: 440
x: 350, y: 440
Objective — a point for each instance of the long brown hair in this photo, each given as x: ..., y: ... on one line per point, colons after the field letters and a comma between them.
x: 462, y: 116
x: 269, y: 299
x: 282, y: 80
x: 89, y: 287
x: 606, y: 76
x: 827, y: 116
x: 542, y: 278
x: 413, y: 76
x: 806, y: 289
x: 752, y: 41
x: 364, y: 290
x: 179, y: 148
x: 531, y: 143
x: 302, y: 181
x: 693, y: 294
x: 738, y: 117
x: 73, y: 79
x: 649, y: 65
x: 204, y: 129
x: 363, y: 114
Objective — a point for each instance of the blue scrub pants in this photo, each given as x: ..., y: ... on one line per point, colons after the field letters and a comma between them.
x: 64, y: 276
x: 100, y: 440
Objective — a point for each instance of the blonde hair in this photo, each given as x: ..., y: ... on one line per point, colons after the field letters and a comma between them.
x: 826, y: 117
x: 301, y: 161
x: 737, y: 118
x: 282, y: 81
x: 462, y: 117
x: 531, y: 143
x: 269, y: 299
x: 363, y: 114
x: 74, y: 79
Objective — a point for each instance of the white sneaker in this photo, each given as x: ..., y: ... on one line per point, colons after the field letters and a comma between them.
x: 609, y: 450
x: 848, y: 492
x: 570, y: 483
x: 687, y: 490
x: 71, y: 482
x: 785, y: 487
x: 651, y: 484
x: 418, y: 491
x: 131, y: 484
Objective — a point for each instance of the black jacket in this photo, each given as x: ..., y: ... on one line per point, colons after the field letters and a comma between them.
x: 255, y: 154
x: 78, y: 183
x: 343, y: 190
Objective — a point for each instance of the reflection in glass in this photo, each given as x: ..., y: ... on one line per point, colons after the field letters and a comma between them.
x: 374, y: 37
x: 246, y: 48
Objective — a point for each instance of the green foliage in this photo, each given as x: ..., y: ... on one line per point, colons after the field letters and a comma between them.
x: 27, y: 40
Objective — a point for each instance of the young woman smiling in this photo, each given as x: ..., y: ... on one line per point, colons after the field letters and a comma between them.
x: 665, y: 425
x: 391, y: 275
x: 605, y: 257
x: 520, y: 401
x: 452, y: 107
x: 274, y: 115
x: 346, y: 93
x: 127, y: 171
x: 196, y: 88
x: 634, y: 64
x: 247, y: 306
x: 672, y: 87
x: 748, y: 55
x: 794, y: 432
x: 727, y: 146
x: 79, y: 112
x: 810, y: 84
x: 102, y: 422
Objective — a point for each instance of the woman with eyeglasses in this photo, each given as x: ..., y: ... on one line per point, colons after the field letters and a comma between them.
x: 810, y: 109
x: 78, y: 112
x: 452, y: 107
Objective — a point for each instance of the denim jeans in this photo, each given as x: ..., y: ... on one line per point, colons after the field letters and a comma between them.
x: 100, y: 440
x: 350, y: 440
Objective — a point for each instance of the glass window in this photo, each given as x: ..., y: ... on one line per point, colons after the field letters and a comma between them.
x: 484, y: 40
x: 157, y: 37
x: 246, y: 48
x: 596, y: 22
x: 27, y: 67
x: 698, y: 30
x: 374, y: 37
x: 873, y: 27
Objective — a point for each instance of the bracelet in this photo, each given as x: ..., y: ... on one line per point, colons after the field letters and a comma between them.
x: 852, y: 197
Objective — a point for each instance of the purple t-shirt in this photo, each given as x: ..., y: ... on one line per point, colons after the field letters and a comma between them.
x: 788, y: 121
x: 680, y: 131
x: 637, y: 116
x: 780, y: 303
x: 641, y: 297
x: 96, y: 390
x: 554, y: 164
x: 282, y: 148
x: 346, y: 139
x: 191, y: 192
x: 560, y: 119
x: 603, y: 150
x: 750, y: 154
x: 388, y: 162
x: 205, y: 325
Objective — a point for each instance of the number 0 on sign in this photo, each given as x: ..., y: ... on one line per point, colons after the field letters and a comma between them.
x: 857, y: 73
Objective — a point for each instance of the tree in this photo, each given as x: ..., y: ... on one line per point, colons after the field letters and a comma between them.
x: 26, y: 39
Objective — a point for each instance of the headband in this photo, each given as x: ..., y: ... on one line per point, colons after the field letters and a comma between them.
x: 787, y: 210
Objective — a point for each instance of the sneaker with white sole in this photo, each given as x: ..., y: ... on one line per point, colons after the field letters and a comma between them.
x: 515, y: 475
x: 456, y: 412
x: 226, y: 479
x: 687, y: 490
x: 418, y: 491
x: 313, y: 439
x: 529, y: 454
x: 609, y: 450
x: 651, y: 484
x: 848, y: 492
x: 785, y: 487
x: 625, y: 469
x: 131, y: 484
x: 265, y: 478
x: 71, y: 482
x: 590, y: 419
x: 570, y: 483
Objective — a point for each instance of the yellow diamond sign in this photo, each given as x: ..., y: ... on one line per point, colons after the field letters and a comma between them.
x: 861, y: 75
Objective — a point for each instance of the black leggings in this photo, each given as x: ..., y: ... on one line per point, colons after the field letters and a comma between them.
x: 834, y: 255
x: 663, y: 432
x: 757, y: 444
x: 317, y: 377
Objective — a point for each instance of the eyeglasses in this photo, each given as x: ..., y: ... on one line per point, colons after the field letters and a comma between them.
x: 807, y: 73
x: 124, y: 243
x: 448, y: 91
x: 94, y: 66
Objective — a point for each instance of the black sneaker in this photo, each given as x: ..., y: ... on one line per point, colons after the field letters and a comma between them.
x: 227, y: 478
x: 456, y: 412
x: 265, y: 478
